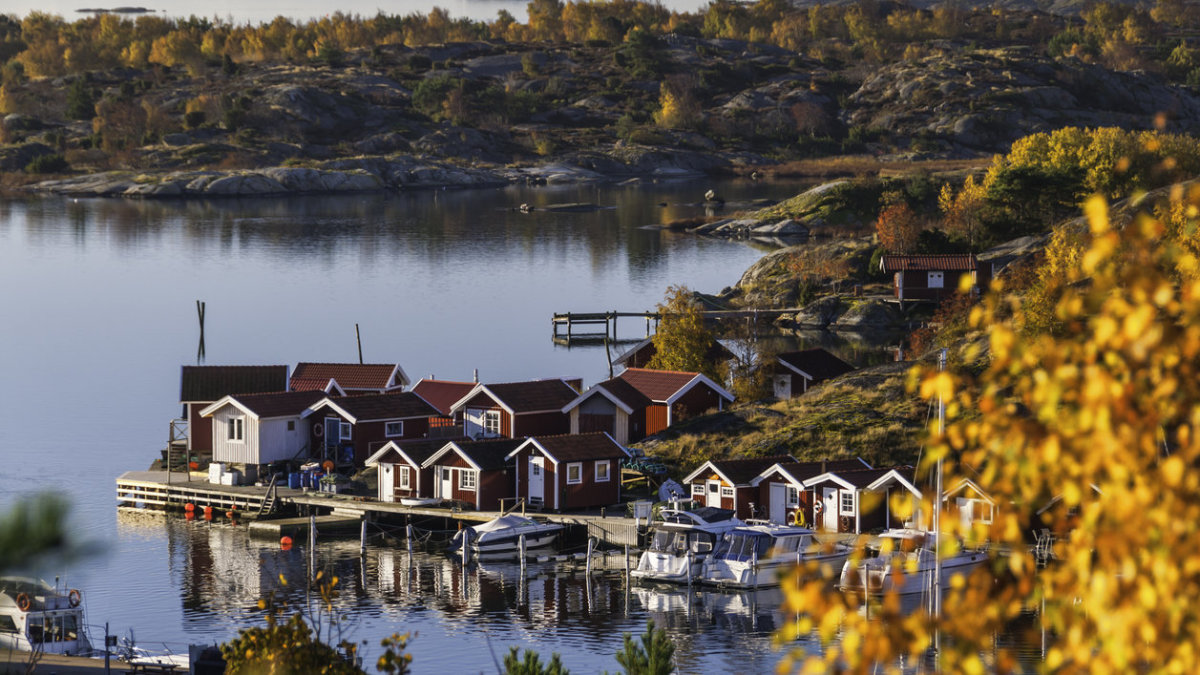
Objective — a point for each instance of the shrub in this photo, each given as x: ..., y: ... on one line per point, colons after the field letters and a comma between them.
x: 80, y: 103
x: 55, y: 163
x: 193, y: 119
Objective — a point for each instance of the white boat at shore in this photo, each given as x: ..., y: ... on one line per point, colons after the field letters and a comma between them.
x: 35, y: 616
x: 420, y: 501
x: 503, y: 535
x: 910, y: 566
x: 681, y: 541
x: 754, y: 555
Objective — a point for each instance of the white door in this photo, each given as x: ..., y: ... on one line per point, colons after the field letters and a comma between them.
x: 537, y: 480
x: 778, y: 506
x: 829, y: 510
x: 783, y: 387
x: 446, y: 482
x: 714, y: 494
x: 966, y: 512
x: 387, y: 482
x: 473, y: 422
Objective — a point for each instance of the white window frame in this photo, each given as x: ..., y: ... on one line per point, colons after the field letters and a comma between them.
x: 491, y: 422
x: 402, y: 473
x: 392, y: 434
x: 345, y: 429
x: 537, y: 468
x: 726, y: 492
x: 793, y: 496
x: 577, y: 469
x: 606, y: 475
x: 467, y: 479
x: 698, y: 489
x: 237, y: 429
x: 936, y: 279
x: 842, y: 495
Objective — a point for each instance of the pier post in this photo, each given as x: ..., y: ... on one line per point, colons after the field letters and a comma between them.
x: 362, y: 538
x: 627, y: 564
x: 688, y: 562
x: 568, y: 327
x: 312, y: 544
x: 409, y: 536
x: 521, y: 551
x: 590, y: 548
x: 614, y: 321
x: 466, y: 547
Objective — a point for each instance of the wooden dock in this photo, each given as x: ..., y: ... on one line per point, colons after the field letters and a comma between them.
x: 568, y: 321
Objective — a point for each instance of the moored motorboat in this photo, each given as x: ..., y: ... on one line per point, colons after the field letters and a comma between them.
x: 754, y: 555
x: 681, y: 541
x: 35, y: 616
x: 503, y: 535
x: 909, y: 567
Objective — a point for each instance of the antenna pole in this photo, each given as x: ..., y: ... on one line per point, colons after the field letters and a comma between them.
x: 358, y: 336
x: 937, y: 508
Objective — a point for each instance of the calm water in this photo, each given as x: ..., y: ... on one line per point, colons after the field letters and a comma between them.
x: 97, y: 314
x: 299, y: 10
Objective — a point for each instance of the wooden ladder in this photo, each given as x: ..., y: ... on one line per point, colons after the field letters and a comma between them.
x: 268, y: 502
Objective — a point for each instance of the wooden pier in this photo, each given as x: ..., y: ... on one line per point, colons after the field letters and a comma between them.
x: 570, y: 320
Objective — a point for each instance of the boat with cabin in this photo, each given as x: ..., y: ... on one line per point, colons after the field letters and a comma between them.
x: 909, y: 566
x: 38, y: 617
x: 754, y: 554
x: 503, y: 535
x: 681, y: 540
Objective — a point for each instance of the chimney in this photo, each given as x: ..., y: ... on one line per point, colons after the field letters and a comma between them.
x: 476, y: 376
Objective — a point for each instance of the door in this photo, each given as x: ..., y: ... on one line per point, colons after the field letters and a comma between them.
x: 473, y: 422
x: 829, y: 509
x: 537, y: 480
x: 783, y: 387
x: 333, y: 438
x: 446, y: 483
x: 777, y: 508
x: 387, y: 483
x: 714, y: 494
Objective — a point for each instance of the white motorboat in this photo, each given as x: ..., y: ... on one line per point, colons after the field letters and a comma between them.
x: 35, y: 616
x: 420, y: 501
x: 909, y: 567
x: 503, y: 535
x: 681, y: 541
x: 754, y: 555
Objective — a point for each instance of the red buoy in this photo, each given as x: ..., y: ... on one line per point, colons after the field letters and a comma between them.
x: 208, y: 513
x: 189, y: 507
x: 190, y: 515
x: 285, y: 543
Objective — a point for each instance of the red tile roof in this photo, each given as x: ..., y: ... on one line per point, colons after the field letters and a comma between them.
x: 378, y: 376
x: 533, y: 396
x: 442, y: 394
x: 396, y: 405
x: 308, y: 384
x: 205, y: 384
x: 950, y: 262
x: 657, y: 385
x: 818, y: 363
x: 580, y: 447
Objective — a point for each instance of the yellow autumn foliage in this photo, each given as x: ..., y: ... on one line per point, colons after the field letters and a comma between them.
x: 1089, y: 433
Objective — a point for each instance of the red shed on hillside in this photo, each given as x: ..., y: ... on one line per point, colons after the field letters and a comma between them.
x: 795, y: 372
x: 933, y: 277
x: 728, y: 483
x: 640, y: 402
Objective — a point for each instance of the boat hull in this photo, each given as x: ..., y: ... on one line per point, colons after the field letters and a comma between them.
x: 746, y: 574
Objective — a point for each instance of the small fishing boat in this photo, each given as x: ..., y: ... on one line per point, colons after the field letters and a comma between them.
x: 754, y: 554
x: 35, y: 616
x: 909, y: 567
x: 503, y: 535
x: 420, y: 501
x: 680, y: 543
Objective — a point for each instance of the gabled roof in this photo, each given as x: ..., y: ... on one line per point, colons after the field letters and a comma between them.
x: 442, y: 394
x: 489, y: 455
x: 860, y: 479
x: 963, y: 484
x: 798, y: 472
x: 901, y: 475
x: 716, y: 352
x: 358, y: 376
x: 411, y: 452
x: 947, y: 262
x: 666, y: 386
x: 329, y: 386
x: 396, y: 405
x: 621, y: 393
x: 814, y: 364
x: 524, y: 397
x: 203, y: 384
x: 266, y: 406
x: 737, y: 471
x: 575, y: 447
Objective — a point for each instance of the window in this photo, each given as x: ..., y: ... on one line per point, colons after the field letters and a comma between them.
x: 793, y: 496
x: 937, y: 279
x: 7, y: 625
x: 491, y: 422
x: 727, y: 492
x: 391, y: 429
x: 237, y: 429
x: 697, y: 489
x: 344, y: 431
x: 403, y: 471
x: 466, y: 479
x: 536, y: 468
x: 602, y: 471
x: 847, y: 503
x: 291, y: 425
x: 574, y: 473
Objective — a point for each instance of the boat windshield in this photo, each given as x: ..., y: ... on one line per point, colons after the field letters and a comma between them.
x: 742, y: 546
x: 677, y: 543
x: 53, y: 628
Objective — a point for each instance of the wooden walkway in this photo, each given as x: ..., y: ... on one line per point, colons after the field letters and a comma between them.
x: 564, y: 325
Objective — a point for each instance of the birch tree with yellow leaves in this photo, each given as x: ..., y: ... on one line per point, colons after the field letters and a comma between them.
x: 1088, y: 431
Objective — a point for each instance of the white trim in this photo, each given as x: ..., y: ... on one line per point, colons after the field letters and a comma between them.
x: 578, y: 467
x: 229, y: 400
x: 405, y: 481
x: 830, y: 476
x: 794, y: 369
x: 450, y: 447
x: 597, y: 389
x: 480, y: 388
x: 890, y: 476
x: 236, y: 429
x: 964, y: 483
x: 607, y: 464
x: 462, y: 479
x: 700, y: 378
x: 842, y: 510
x: 339, y: 410
x: 727, y: 491
x: 390, y: 435
x: 345, y: 431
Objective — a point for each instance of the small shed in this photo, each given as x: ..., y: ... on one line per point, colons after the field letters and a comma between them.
x: 781, y: 487
x: 401, y: 473
x: 349, y: 429
x: 515, y: 409
x: 857, y: 501
x: 729, y: 483
x: 251, y: 430
x: 201, y: 386
x: 569, y: 472
x: 969, y: 503
x: 473, y: 472
x: 933, y: 277
x: 796, y: 371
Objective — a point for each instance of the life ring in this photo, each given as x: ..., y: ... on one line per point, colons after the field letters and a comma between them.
x: 798, y: 517
x: 23, y: 602
x: 328, y: 466
x: 74, y: 597
x: 818, y: 507
x: 318, y: 430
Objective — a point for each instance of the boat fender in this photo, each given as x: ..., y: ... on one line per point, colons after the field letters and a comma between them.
x: 23, y: 602
x: 74, y: 597
x: 818, y: 507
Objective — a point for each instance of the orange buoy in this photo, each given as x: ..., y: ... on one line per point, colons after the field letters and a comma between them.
x: 328, y: 466
x: 189, y: 507
x: 23, y: 602
x: 230, y: 514
x: 74, y: 597
x: 285, y: 543
x: 190, y: 515
x: 208, y: 513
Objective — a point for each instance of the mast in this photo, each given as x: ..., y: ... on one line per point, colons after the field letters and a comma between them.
x: 937, y: 508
